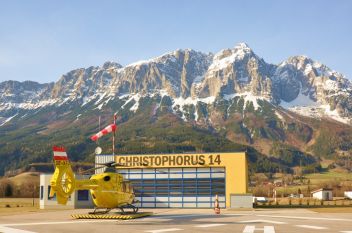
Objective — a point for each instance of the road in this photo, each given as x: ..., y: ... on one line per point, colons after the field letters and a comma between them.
x: 184, y: 220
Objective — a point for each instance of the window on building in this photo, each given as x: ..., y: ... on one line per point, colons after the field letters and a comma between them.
x: 82, y: 195
x: 51, y: 198
x: 41, y: 192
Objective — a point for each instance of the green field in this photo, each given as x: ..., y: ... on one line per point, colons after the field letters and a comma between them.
x: 318, y: 180
x: 326, y: 176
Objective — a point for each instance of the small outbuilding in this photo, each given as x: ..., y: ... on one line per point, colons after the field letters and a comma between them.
x: 348, y: 194
x: 323, y: 194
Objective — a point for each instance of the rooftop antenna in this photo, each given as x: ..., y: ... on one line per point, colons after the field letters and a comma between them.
x: 98, y: 150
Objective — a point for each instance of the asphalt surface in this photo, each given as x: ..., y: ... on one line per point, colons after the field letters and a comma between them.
x: 184, y: 220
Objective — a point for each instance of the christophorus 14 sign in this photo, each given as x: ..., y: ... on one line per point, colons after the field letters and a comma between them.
x: 173, y: 160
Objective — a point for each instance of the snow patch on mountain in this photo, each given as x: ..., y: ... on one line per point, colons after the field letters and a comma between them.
x: 180, y: 103
x: 279, y: 116
x: 334, y: 114
x: 301, y: 100
x: 193, y: 101
x: 27, y: 106
x: 248, y: 98
x: 8, y: 119
x: 101, y: 97
x: 319, y: 112
x: 331, y: 85
x: 135, y: 107
x: 135, y: 98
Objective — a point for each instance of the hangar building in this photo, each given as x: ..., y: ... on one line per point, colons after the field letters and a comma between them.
x: 186, y: 180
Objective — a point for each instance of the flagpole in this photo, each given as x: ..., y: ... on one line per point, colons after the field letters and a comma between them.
x: 99, y: 131
x: 113, y: 137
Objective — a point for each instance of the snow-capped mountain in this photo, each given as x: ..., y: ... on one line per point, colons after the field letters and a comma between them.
x: 184, y: 101
x: 191, y: 79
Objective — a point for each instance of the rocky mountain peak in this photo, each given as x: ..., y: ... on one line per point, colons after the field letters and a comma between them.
x: 174, y: 72
x: 242, y: 48
x: 111, y: 64
x: 186, y: 74
x: 228, y: 56
x: 18, y: 92
x: 236, y: 71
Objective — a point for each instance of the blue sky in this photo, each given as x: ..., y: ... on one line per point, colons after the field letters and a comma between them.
x: 41, y: 40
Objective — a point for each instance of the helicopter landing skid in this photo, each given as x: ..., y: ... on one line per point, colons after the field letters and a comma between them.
x: 107, y: 210
x: 128, y: 206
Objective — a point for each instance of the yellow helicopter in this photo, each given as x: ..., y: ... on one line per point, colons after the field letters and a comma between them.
x: 109, y: 190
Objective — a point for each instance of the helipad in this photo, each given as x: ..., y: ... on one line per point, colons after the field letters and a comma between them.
x: 184, y: 220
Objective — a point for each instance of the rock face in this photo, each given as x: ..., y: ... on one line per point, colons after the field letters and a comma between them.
x: 19, y: 92
x: 238, y: 70
x: 313, y: 84
x: 189, y: 77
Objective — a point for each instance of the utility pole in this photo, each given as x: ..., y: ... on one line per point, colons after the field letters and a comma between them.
x: 349, y: 160
x: 349, y: 163
x: 33, y: 191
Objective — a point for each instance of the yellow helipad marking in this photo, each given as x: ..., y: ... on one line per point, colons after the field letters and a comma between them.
x: 111, y: 216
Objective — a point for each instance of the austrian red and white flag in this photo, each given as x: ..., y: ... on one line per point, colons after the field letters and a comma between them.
x: 59, y: 153
x: 108, y: 129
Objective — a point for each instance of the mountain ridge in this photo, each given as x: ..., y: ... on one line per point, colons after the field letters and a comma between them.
x: 189, y: 73
x: 296, y: 109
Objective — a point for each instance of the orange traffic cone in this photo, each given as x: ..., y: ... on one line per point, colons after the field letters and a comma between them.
x: 216, y: 205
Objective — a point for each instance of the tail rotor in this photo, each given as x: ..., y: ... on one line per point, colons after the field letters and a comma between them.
x: 63, y: 181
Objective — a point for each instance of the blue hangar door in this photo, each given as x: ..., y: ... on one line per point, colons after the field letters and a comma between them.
x: 177, y: 187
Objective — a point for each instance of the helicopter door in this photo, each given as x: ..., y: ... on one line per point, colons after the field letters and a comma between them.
x: 130, y: 187
x: 126, y: 187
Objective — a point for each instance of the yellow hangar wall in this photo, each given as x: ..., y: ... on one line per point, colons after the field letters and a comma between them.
x: 235, y: 165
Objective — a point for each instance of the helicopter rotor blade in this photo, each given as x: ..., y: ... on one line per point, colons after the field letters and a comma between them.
x: 105, y: 164
x: 40, y: 164
x: 72, y: 163
x: 112, y: 164
x: 120, y: 165
x: 91, y: 169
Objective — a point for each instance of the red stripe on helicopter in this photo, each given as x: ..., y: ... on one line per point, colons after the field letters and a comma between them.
x: 60, y: 158
x: 59, y: 153
x: 106, y: 130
